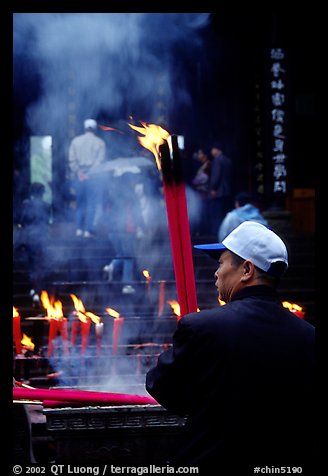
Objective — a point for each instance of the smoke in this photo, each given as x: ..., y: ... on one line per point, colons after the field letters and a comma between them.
x: 119, y: 64
x: 101, y: 370
x: 110, y: 66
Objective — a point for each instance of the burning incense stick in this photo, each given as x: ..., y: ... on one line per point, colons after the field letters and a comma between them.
x: 156, y: 140
x: 176, y: 207
x: 184, y: 228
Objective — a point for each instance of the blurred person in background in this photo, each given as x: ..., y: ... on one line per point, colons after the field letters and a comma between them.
x: 86, y: 153
x: 245, y: 209
x: 200, y: 183
x: 220, y: 187
x: 126, y: 226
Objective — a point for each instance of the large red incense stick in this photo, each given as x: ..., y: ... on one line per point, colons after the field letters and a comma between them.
x: 81, y: 396
x: 173, y: 225
x: 177, y: 213
x: 184, y: 227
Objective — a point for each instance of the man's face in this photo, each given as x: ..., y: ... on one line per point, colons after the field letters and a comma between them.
x: 227, y: 276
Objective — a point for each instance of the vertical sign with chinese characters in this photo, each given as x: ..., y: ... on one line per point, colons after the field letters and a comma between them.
x: 278, y: 119
x: 258, y: 168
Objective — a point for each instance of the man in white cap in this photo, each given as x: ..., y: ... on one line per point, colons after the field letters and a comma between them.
x: 242, y: 372
x: 86, y: 153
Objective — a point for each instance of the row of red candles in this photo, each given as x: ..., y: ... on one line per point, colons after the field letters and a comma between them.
x: 58, y: 323
x: 60, y: 326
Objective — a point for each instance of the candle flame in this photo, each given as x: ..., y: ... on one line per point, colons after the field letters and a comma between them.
x: 54, y: 308
x: 79, y: 308
x: 222, y: 303
x: 292, y: 306
x: 15, y: 312
x: 154, y: 136
x: 112, y: 312
x: 146, y: 274
x: 27, y: 342
x: 175, y: 307
x: 78, y: 304
x: 95, y: 319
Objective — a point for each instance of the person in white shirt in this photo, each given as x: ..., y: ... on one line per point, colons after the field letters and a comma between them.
x: 86, y: 153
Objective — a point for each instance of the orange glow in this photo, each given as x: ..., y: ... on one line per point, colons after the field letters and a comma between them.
x: 106, y: 128
x: 112, y: 312
x: 292, y: 306
x: 222, y: 303
x: 79, y: 308
x: 15, y: 312
x: 27, y: 342
x: 146, y: 274
x: 54, y: 308
x: 78, y: 304
x: 95, y: 319
x: 175, y: 307
x: 154, y: 136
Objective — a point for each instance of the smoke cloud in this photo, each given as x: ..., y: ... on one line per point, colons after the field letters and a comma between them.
x: 112, y: 62
x: 110, y: 66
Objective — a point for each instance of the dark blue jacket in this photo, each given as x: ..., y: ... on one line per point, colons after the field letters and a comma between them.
x: 221, y: 176
x: 243, y: 373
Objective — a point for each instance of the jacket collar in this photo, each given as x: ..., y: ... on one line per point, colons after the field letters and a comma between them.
x: 258, y: 290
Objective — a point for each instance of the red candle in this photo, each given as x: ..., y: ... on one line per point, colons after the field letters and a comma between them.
x: 161, y: 298
x: 300, y: 314
x: 74, y: 331
x: 62, y: 327
x: 53, y: 328
x: 117, y: 327
x: 17, y: 331
x: 57, y: 326
x: 294, y: 308
x: 146, y: 274
x: 85, y: 329
x: 99, y: 333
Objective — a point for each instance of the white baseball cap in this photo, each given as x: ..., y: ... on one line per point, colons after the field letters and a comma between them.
x: 90, y: 123
x: 255, y: 242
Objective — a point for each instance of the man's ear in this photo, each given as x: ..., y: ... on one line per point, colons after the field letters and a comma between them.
x: 248, y: 270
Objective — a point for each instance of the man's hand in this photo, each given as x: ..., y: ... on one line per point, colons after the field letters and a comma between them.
x: 213, y: 193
